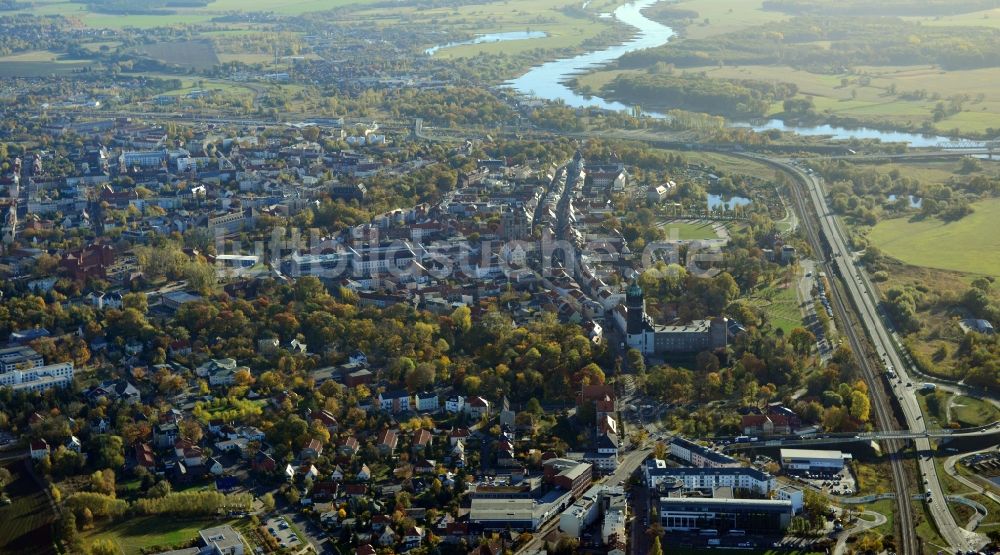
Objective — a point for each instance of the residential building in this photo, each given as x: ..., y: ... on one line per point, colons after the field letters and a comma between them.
x: 427, y: 401
x: 394, y: 401
x: 699, y: 455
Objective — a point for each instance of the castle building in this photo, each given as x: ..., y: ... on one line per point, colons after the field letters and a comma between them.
x: 650, y: 338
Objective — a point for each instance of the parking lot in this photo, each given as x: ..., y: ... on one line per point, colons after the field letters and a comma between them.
x: 282, y: 533
x: 841, y: 483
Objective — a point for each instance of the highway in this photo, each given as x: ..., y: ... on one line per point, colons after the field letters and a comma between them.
x: 861, y: 293
x: 908, y: 542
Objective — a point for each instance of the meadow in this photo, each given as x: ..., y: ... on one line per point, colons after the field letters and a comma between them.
x: 871, y: 101
x: 563, y: 29
x: 970, y: 245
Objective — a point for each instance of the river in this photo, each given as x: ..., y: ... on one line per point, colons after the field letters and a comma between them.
x: 547, y: 81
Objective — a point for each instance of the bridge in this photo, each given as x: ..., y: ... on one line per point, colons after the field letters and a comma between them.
x: 838, y: 438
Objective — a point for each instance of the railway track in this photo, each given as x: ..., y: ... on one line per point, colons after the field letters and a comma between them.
x: 885, y: 418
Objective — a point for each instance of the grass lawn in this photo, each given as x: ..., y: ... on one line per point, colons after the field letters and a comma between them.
x: 937, y: 420
x: 926, y: 530
x: 886, y: 507
x: 781, y: 305
x: 136, y: 534
x: 969, y: 245
x: 969, y: 412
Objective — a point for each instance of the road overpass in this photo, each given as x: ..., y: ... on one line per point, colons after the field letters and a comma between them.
x: 992, y: 429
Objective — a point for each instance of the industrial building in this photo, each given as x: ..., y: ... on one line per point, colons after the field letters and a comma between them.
x: 813, y: 460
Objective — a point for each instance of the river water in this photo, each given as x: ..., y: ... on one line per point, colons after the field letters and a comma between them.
x: 547, y: 80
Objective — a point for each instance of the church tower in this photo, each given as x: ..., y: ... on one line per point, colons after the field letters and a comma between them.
x: 635, y: 304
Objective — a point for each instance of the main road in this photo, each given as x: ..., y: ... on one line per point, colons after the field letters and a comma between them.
x: 865, y: 300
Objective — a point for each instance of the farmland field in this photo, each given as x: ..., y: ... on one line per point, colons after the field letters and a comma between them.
x: 179, y: 16
x: 38, y: 63
x: 969, y: 245
x: 725, y: 16
x: 196, y: 54
x: 26, y: 520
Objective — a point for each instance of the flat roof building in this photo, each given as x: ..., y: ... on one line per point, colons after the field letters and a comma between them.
x: 813, y: 460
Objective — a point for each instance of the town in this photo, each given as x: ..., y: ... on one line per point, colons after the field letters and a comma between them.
x: 360, y: 278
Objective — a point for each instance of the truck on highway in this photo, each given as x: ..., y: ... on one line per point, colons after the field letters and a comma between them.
x: 928, y: 386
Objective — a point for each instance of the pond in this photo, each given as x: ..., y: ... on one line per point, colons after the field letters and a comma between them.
x: 915, y: 202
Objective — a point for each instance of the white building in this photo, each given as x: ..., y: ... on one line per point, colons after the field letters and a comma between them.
x: 455, y: 403
x: 427, y: 401
x: 39, y: 378
x: 614, y: 524
x: 582, y: 513
x: 793, y: 494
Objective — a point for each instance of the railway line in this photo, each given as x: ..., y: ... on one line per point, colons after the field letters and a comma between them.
x: 881, y: 404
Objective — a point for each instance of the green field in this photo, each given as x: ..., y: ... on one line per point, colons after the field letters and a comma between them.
x: 970, y: 245
x: 136, y: 534
x: 725, y: 16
